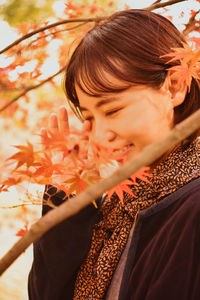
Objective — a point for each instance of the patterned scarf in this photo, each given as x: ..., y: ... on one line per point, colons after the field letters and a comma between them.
x: 110, y: 235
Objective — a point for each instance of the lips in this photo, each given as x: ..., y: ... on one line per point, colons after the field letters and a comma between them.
x: 120, y: 155
x: 123, y: 150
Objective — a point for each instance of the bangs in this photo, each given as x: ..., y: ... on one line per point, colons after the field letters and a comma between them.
x: 98, y: 67
x: 100, y: 75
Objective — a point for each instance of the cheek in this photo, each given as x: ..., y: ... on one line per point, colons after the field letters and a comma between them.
x: 141, y: 119
x: 146, y: 125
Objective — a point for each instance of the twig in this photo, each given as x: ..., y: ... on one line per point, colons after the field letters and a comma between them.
x: 55, y: 32
x: 160, y: 5
x: 158, y: 1
x: 191, y: 25
x: 30, y: 89
x: 74, y: 205
x: 28, y: 35
x: 39, y: 202
x: 19, y: 205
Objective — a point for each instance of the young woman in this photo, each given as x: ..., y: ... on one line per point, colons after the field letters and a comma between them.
x: 148, y: 247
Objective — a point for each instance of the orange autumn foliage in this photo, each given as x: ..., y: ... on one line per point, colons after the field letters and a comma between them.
x: 189, y: 66
x: 63, y: 161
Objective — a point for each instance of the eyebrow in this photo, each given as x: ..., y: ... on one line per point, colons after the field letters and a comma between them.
x: 103, y: 102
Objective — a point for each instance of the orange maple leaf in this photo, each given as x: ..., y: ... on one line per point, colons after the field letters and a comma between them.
x: 141, y: 174
x: 185, y: 74
x: 76, y: 184
x: 189, y: 66
x: 45, y: 167
x: 24, y: 156
x: 119, y: 189
x: 183, y: 54
x: 12, y: 181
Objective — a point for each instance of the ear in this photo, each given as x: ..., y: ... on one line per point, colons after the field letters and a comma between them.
x: 177, y: 91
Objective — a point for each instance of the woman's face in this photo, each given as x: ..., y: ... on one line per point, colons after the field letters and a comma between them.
x: 130, y: 119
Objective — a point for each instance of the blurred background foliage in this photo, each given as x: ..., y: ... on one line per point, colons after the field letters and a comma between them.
x: 20, y: 11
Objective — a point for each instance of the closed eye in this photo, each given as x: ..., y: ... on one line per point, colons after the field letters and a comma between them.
x: 112, y: 112
x: 108, y: 113
x: 88, y: 118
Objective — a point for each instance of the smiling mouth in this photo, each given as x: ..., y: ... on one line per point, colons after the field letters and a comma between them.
x: 123, y: 151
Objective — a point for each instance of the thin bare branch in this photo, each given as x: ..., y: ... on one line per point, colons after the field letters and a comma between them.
x: 164, y: 4
x: 158, y: 1
x: 30, y: 88
x: 192, y: 24
x: 74, y: 205
x: 28, y: 35
x: 55, y: 32
x: 19, y: 205
x: 33, y: 202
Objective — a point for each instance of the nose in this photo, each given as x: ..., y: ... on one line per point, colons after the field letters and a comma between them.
x: 110, y: 136
x: 103, y: 135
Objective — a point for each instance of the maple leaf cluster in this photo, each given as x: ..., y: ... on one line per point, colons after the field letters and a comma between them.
x: 188, y: 64
x: 71, y: 163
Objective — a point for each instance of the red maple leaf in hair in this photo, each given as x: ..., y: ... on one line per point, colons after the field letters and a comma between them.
x: 189, y: 66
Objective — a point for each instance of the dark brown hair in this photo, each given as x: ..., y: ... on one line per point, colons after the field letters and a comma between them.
x: 128, y: 45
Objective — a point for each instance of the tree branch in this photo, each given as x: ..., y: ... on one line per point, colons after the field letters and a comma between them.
x: 58, y: 31
x: 156, y: 5
x: 192, y: 24
x: 30, y: 89
x: 160, y: 5
x: 28, y: 35
x: 74, y: 205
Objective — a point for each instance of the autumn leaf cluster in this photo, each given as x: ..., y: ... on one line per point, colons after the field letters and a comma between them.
x: 69, y: 162
x: 188, y: 64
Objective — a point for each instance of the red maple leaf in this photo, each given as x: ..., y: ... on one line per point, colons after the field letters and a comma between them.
x: 119, y: 189
x: 76, y: 184
x: 141, y: 174
x: 24, y: 156
x: 189, y: 66
x: 12, y: 181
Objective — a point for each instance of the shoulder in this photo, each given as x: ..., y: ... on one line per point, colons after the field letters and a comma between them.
x: 182, y: 206
x: 186, y: 196
x: 190, y: 194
